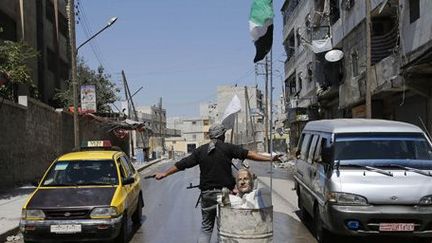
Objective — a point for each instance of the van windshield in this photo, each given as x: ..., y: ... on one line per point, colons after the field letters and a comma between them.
x: 82, y: 172
x: 380, y: 149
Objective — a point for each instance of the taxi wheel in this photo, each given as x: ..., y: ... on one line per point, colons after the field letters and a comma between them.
x: 136, y: 217
x: 123, y: 235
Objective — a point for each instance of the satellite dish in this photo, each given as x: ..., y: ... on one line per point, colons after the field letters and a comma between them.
x: 334, y: 55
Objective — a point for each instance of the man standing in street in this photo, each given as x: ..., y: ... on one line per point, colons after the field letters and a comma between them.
x: 214, y: 160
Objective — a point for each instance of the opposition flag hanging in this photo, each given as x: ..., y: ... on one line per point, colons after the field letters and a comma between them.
x: 261, y: 27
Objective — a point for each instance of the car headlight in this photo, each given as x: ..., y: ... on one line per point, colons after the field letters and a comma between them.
x: 426, y: 201
x: 32, y: 214
x: 104, y: 212
x: 346, y: 198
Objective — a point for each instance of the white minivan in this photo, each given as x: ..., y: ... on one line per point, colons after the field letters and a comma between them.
x: 365, y: 177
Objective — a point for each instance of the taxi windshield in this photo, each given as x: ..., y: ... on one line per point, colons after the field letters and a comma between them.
x: 82, y: 172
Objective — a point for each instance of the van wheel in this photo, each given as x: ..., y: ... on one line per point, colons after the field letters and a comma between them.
x: 122, y: 237
x: 136, y: 217
x: 321, y: 234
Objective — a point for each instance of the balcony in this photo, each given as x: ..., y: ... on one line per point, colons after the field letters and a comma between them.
x: 383, y: 46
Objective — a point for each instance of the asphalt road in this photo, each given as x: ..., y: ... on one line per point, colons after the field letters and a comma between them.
x: 170, y: 215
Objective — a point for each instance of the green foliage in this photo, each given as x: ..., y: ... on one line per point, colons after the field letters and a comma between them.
x: 14, y: 57
x: 106, y: 91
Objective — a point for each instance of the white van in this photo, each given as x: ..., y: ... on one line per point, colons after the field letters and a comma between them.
x: 365, y: 177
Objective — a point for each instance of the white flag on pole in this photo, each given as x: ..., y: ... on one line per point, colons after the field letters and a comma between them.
x: 233, y: 108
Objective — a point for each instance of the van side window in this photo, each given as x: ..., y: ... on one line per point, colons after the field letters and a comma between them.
x: 300, y: 142
x: 313, y: 148
x: 305, y: 147
x: 323, y: 147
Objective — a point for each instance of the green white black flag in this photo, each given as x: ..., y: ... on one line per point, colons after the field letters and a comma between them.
x: 261, y: 27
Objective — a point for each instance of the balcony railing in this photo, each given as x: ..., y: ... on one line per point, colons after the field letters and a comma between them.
x: 383, y: 46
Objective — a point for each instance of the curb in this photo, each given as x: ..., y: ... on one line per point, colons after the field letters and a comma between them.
x: 13, y: 231
x: 139, y: 169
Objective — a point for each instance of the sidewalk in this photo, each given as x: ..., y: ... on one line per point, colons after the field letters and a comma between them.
x: 12, y: 201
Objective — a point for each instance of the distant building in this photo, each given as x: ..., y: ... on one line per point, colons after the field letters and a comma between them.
x: 154, y: 144
x: 249, y: 127
x: 194, y: 133
x: 43, y: 25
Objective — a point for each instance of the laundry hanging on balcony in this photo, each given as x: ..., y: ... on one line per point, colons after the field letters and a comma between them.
x: 319, y: 46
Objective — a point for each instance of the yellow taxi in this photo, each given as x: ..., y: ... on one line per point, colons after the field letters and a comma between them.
x: 88, y: 195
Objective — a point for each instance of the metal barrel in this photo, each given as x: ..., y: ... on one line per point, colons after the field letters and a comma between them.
x: 245, y: 225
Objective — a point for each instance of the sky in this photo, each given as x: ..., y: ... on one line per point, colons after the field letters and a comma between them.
x: 178, y: 50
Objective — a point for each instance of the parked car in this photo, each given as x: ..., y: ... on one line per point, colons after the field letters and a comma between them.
x: 365, y: 177
x: 87, y: 195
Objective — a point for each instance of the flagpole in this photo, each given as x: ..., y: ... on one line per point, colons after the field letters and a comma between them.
x: 271, y: 118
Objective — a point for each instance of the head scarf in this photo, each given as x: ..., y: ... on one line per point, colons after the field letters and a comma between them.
x: 215, y: 131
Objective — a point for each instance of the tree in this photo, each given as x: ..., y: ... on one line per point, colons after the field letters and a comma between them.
x: 14, y: 57
x: 106, y: 91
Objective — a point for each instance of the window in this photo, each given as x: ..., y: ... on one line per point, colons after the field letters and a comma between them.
x: 128, y: 163
x: 49, y: 11
x: 290, y: 46
x: 354, y: 63
x: 63, y: 25
x: 82, y: 172
x: 291, y: 85
x: 9, y: 28
x: 300, y: 81
x: 312, y: 148
x: 414, y: 10
x: 305, y: 147
x: 124, y: 168
x: 299, y: 37
x: 51, y: 60
x: 206, y: 122
x: 194, y: 136
x: 376, y: 149
x: 334, y: 11
x: 194, y: 123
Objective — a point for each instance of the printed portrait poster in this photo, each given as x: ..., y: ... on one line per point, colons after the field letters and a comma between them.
x: 88, y: 98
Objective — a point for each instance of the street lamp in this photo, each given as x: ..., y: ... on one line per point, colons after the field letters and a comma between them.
x: 74, y: 53
x: 110, y: 22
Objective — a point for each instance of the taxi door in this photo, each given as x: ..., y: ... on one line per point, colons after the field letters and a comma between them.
x: 127, y: 189
x: 134, y: 187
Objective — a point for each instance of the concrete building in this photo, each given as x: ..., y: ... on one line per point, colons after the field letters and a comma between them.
x: 249, y: 129
x: 42, y: 25
x: 194, y: 133
x: 400, y: 61
x: 154, y: 144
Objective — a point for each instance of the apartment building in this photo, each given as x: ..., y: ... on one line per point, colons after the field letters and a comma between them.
x: 400, y: 60
x: 42, y: 25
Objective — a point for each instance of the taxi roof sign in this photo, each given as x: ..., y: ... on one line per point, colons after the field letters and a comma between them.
x: 96, y: 144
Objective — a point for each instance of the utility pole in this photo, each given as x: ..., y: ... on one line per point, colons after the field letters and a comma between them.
x: 250, y: 117
x: 161, y: 129
x: 74, y: 80
x: 131, y: 105
x: 368, y: 62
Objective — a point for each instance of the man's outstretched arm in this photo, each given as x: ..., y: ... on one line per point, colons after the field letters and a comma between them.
x: 252, y: 155
x: 160, y: 175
